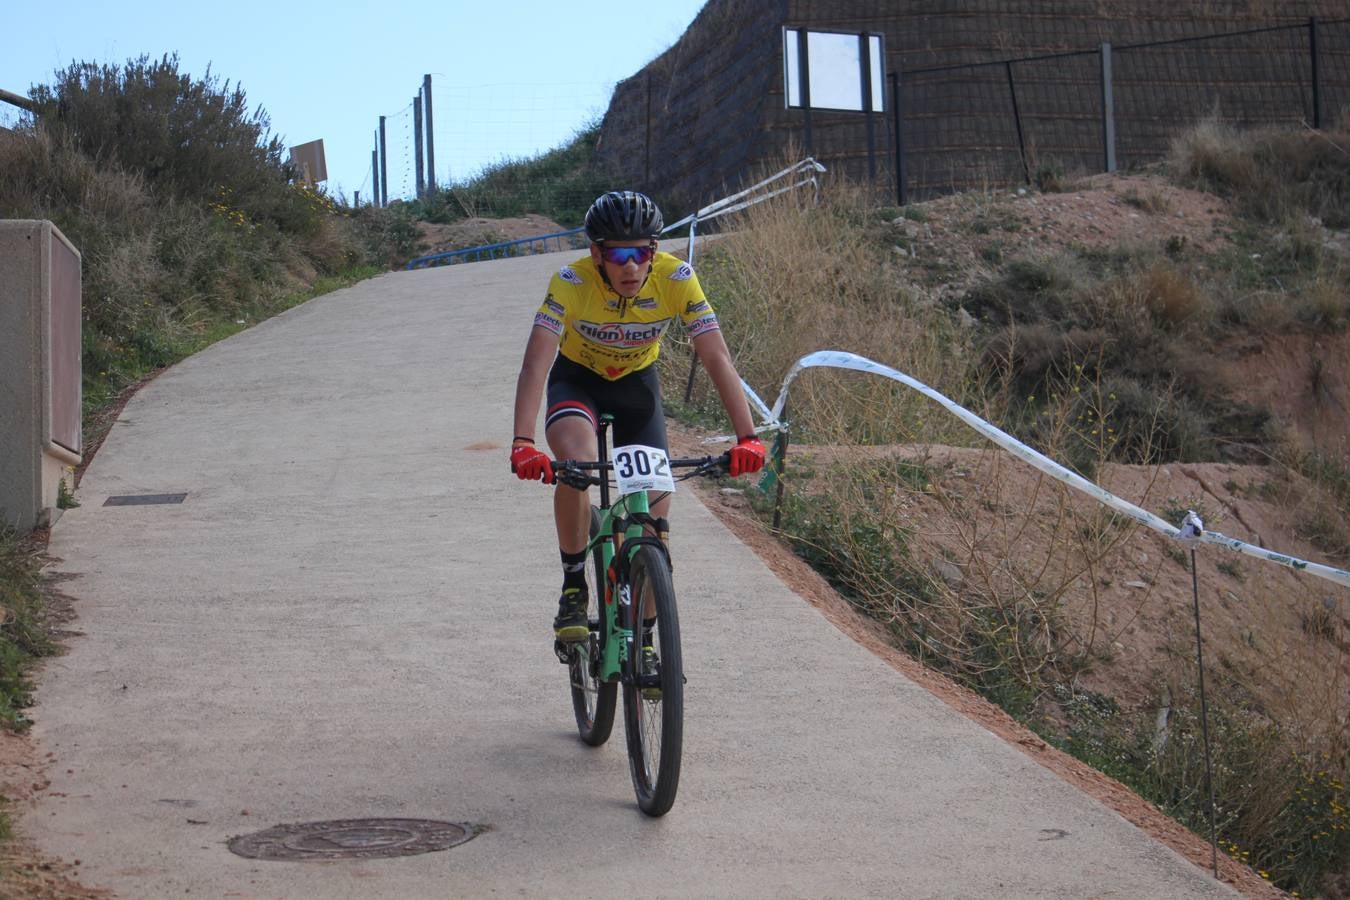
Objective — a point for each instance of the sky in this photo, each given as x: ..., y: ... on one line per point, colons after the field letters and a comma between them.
x: 509, y: 79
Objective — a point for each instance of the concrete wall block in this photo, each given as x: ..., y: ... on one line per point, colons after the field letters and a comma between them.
x: 32, y: 465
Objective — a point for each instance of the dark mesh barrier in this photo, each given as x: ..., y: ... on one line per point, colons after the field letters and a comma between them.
x: 992, y: 91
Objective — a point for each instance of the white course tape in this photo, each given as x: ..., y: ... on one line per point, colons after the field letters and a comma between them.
x: 1191, y: 533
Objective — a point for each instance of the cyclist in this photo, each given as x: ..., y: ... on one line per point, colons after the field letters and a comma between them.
x: 594, y: 342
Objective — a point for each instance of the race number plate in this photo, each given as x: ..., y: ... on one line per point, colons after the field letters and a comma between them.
x: 639, y: 468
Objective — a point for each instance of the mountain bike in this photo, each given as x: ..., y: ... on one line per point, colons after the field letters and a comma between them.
x: 634, y: 640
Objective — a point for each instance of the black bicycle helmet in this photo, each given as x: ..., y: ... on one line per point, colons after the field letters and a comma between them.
x: 623, y: 216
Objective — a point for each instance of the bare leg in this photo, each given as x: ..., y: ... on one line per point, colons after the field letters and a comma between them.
x: 572, y: 437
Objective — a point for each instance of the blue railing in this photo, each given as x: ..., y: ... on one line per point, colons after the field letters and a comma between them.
x: 521, y: 247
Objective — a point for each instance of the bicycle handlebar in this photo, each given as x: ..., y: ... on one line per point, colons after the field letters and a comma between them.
x: 574, y: 473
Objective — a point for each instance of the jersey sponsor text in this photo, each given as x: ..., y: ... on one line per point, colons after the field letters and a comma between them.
x: 702, y: 325
x: 552, y: 324
x: 622, y: 334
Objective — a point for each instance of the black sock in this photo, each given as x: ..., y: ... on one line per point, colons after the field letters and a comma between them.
x: 574, y: 570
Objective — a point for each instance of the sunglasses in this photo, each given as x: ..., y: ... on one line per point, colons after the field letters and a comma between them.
x: 621, y: 256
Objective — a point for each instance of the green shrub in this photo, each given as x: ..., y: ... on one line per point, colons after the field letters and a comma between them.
x: 188, y: 137
x: 23, y: 634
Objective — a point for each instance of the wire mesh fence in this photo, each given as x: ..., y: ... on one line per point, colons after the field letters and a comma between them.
x: 963, y: 126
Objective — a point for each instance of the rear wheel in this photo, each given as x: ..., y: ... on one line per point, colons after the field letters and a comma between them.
x: 593, y: 700
x: 653, y: 704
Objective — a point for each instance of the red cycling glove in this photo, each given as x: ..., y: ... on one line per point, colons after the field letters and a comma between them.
x: 531, y: 464
x: 747, y: 456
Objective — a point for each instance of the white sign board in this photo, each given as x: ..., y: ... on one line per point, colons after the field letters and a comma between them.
x: 839, y: 68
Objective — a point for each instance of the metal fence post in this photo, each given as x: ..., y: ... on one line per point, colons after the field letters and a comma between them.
x: 431, y: 138
x: 417, y: 144
x: 1108, y: 109
x: 384, y: 167
x: 776, y: 469
x: 1204, y: 721
x: 865, y: 54
x: 804, y: 65
x: 1316, y: 74
x: 1017, y: 120
x: 901, y: 190
x: 693, y: 357
x: 647, y: 153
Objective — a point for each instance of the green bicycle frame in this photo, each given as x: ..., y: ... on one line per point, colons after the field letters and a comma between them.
x: 623, y: 520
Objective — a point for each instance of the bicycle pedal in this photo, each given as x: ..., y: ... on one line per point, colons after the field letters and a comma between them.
x: 563, y: 652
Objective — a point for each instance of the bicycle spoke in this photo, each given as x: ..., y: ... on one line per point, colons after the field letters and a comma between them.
x: 653, y: 695
x: 593, y: 701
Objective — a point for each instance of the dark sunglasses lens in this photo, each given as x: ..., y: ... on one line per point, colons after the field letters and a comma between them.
x: 623, y: 255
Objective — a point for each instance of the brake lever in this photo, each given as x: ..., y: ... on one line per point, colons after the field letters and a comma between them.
x: 570, y: 476
x: 721, y: 464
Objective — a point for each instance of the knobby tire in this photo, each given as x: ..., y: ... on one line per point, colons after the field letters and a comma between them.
x: 593, y: 701
x: 655, y: 727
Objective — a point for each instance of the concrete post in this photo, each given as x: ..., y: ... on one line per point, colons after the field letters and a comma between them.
x: 40, y: 437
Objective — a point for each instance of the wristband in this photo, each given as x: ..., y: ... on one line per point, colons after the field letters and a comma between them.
x: 521, y: 438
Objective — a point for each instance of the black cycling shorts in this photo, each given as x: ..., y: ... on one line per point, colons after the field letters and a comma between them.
x: 633, y: 400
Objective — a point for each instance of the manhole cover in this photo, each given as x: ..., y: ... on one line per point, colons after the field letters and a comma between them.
x: 144, y: 499
x: 352, y: 839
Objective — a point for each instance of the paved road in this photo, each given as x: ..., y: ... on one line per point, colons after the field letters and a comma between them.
x: 349, y: 616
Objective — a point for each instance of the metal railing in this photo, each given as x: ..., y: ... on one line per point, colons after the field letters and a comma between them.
x: 805, y: 172
x: 16, y: 100
x: 502, y: 250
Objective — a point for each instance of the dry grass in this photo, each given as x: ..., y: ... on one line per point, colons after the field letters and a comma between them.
x: 792, y: 278
x: 1033, y: 595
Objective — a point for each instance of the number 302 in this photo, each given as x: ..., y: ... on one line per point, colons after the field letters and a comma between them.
x: 639, y: 462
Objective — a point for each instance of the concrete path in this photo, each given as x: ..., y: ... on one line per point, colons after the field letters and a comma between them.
x: 349, y: 616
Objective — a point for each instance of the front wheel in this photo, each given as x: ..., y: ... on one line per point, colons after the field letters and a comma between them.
x: 593, y: 700
x: 653, y: 698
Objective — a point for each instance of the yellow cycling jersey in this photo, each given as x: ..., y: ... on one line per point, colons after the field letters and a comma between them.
x: 599, y: 330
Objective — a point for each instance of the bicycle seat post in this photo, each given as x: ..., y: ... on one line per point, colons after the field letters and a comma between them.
x: 601, y: 437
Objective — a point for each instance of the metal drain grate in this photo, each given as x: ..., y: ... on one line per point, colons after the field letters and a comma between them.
x: 144, y: 499
x: 353, y: 839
